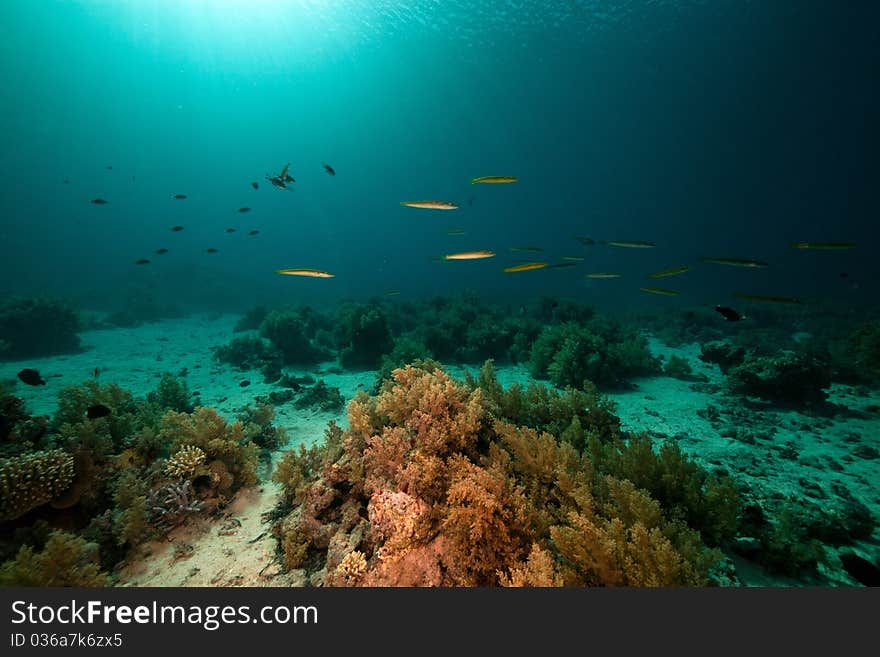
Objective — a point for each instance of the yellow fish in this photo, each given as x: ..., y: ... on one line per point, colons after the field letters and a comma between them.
x: 670, y: 272
x: 574, y: 258
x: 313, y: 273
x: 528, y: 266
x: 659, y: 290
x: 734, y: 262
x: 469, y: 255
x: 603, y: 274
x: 494, y: 179
x: 430, y: 205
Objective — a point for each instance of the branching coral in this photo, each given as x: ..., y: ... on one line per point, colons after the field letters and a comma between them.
x: 183, y: 463
x: 66, y: 560
x: 31, y: 480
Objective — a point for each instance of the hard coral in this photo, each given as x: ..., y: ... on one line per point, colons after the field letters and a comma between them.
x: 66, y: 560
x: 37, y: 327
x: 789, y: 378
x: 183, y: 463
x: 31, y: 480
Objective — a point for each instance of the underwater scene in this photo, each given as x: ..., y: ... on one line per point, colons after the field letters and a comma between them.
x: 416, y: 293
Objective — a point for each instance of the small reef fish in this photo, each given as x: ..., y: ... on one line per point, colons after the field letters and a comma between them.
x: 230, y: 230
x: 768, y: 298
x: 96, y: 411
x: 392, y: 293
x: 574, y: 258
x: 211, y: 250
x: 255, y: 184
x: 729, y: 313
x: 734, y: 262
x: 31, y: 377
x: 285, y: 176
x: 329, y: 169
x: 528, y: 266
x: 179, y: 197
x: 456, y: 231
x: 494, y: 180
x: 673, y: 271
x: 99, y: 201
x: 635, y: 244
x: 603, y: 274
x: 662, y: 291
x: 532, y: 249
x: 312, y: 273
x: 177, y: 229
x: 96, y: 372
x: 430, y: 205
x: 244, y: 383
x: 109, y: 167
x: 254, y: 232
x: 243, y: 210
x: 586, y: 241
x: 827, y: 246
x: 469, y: 255
x: 142, y: 261
x: 161, y: 251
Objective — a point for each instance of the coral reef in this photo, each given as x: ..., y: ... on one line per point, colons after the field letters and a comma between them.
x: 362, y: 335
x: 31, y: 480
x: 183, y: 463
x: 294, y: 333
x: 321, y: 396
x: 251, y: 320
x: 172, y: 393
x: 66, y: 560
x: 428, y: 486
x: 723, y: 354
x: 37, y: 327
x: 789, y: 378
x: 248, y: 352
x: 19, y: 431
x: 259, y: 429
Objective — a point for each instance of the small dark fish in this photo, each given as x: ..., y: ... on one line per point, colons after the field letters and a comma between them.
x: 109, y: 167
x: 586, y: 241
x: 244, y: 384
x: 243, y: 210
x: 729, y: 314
x: 99, y: 201
x: 561, y: 265
x: 230, y: 230
x: 161, y: 251
x: 255, y: 184
x: 211, y: 251
x: 284, y: 176
x: 254, y: 232
x: 276, y: 182
x: 142, y: 261
x: 843, y: 274
x: 180, y: 197
x: 96, y: 411
x: 96, y: 372
x: 31, y: 377
x: 329, y: 170
x: 66, y: 181
x: 177, y: 229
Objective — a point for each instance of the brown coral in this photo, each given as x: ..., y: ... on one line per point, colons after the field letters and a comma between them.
x: 31, y: 480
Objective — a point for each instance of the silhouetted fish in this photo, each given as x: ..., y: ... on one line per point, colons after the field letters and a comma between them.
x: 177, y: 229
x: 255, y: 185
x: 243, y: 210
x: 211, y: 251
x: 109, y: 167
x: 230, y: 230
x: 329, y: 170
x: 96, y: 411
x: 729, y: 313
x: 142, y: 261
x: 254, y: 232
x: 99, y: 201
x: 31, y: 377
x: 180, y: 197
x: 244, y: 384
x: 161, y: 251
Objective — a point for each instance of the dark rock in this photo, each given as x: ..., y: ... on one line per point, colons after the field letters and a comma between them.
x: 723, y: 354
x: 812, y: 489
x: 866, y: 452
x: 747, y: 546
x: 860, y: 569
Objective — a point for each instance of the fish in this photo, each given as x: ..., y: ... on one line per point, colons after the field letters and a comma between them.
x: 276, y: 182
x: 392, y: 293
x: 177, y: 229
x: 96, y: 411
x: 768, y: 298
x: 673, y: 271
x: 826, y: 246
x: 562, y: 265
x: 244, y: 383
x: 456, y: 231
x: 254, y: 232
x: 528, y: 266
x: 312, y: 273
x: 329, y: 169
x: 243, y: 210
x: 734, y: 262
x: 494, y: 180
x: 211, y: 250
x: 586, y: 241
x: 31, y: 377
x: 109, y: 167
x: 96, y: 372
x: 179, y: 197
x: 729, y: 314
x: 662, y: 291
x: 469, y: 255
x: 255, y: 184
x: 430, y: 205
x: 230, y: 230
x: 66, y: 181
x: 532, y: 249
x: 142, y: 261
x: 603, y: 274
x: 574, y: 258
x: 161, y: 251
x: 284, y: 176
x: 636, y: 244
x: 99, y: 201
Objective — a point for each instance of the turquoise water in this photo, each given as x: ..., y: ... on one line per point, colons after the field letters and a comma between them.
x: 712, y: 129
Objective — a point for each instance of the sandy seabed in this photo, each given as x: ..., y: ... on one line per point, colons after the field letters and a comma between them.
x: 237, y: 549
